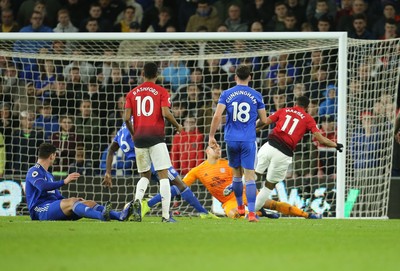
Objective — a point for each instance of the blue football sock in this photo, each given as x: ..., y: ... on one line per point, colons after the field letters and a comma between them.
x: 190, y: 198
x: 237, y: 187
x: 83, y: 210
x: 113, y: 214
x: 157, y: 198
x: 251, y: 193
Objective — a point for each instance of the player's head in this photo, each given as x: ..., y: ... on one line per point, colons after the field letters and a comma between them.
x: 302, y: 101
x: 213, y: 152
x: 150, y: 70
x: 47, y: 151
x: 243, y: 72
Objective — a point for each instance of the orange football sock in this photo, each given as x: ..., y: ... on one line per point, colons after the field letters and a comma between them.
x: 286, y: 208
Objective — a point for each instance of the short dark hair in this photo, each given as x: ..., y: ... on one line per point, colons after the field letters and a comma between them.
x: 150, y: 70
x: 45, y: 150
x: 303, y: 101
x: 243, y: 71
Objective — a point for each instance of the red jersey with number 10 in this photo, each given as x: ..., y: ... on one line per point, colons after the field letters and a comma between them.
x: 291, y: 125
x: 146, y: 101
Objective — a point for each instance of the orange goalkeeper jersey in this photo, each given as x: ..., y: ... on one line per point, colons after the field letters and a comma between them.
x: 214, y: 177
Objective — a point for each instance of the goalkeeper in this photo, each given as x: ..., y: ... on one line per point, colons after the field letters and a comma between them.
x: 124, y: 141
x: 216, y: 175
x: 45, y: 201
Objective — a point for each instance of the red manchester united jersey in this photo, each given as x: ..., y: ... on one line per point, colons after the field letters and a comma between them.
x: 291, y: 125
x: 146, y: 101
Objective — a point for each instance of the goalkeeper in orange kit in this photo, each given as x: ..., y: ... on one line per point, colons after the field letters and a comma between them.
x: 215, y: 174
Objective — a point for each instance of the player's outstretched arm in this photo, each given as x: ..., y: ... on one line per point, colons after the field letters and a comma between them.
x: 72, y: 177
x: 107, y: 181
x: 128, y: 114
x: 166, y: 112
x: 327, y: 142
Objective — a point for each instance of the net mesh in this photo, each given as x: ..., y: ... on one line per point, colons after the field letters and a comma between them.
x: 71, y: 93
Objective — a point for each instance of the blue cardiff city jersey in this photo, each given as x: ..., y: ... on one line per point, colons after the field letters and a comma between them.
x: 242, y: 104
x: 41, y: 187
x: 125, y: 142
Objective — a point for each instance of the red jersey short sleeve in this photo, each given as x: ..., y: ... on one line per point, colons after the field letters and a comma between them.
x: 146, y: 101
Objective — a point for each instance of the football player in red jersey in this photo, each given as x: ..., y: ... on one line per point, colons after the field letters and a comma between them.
x: 276, y: 155
x: 149, y: 104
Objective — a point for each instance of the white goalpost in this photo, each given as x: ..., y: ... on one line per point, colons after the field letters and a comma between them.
x: 352, y: 85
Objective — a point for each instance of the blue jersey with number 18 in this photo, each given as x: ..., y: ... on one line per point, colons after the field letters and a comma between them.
x: 242, y: 104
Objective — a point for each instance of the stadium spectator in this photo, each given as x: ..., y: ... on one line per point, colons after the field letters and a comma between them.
x: 65, y: 140
x: 12, y: 86
x: 137, y: 16
x: 25, y: 141
x: 345, y: 22
x: 298, y: 8
x: 389, y: 12
x: 95, y: 12
x: 256, y: 26
x: 284, y: 85
x: 326, y: 155
x: 164, y: 20
x: 8, y: 122
x: 77, y: 10
x: 85, y: 69
x: 290, y: 22
x: 213, y: 74
x: 46, y: 121
x: 276, y: 23
x: 27, y: 101
x: 329, y: 105
x: 175, y: 74
x: 45, y: 78
x: 324, y: 24
x: 259, y: 10
x: 87, y: 127
x: 64, y: 22
x: 322, y: 9
x: 344, y: 9
x: 206, y: 15
x: 390, y: 30
x: 28, y: 66
x: 222, y: 7
x: 235, y: 22
x: 185, y: 10
x: 98, y: 98
x: 206, y: 112
x: 115, y: 117
x: 150, y: 14
x: 117, y: 86
x: 27, y: 8
x: 8, y: 24
x: 196, y: 78
x: 187, y: 147
x: 282, y: 64
x: 123, y: 24
x: 360, y: 28
x: 81, y: 164
x: 222, y: 28
x: 62, y: 100
x: 110, y: 9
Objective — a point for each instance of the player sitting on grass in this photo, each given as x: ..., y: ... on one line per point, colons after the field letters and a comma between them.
x: 124, y: 141
x: 45, y: 201
x: 215, y: 174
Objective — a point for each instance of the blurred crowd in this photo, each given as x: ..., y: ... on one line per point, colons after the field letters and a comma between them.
x: 78, y: 105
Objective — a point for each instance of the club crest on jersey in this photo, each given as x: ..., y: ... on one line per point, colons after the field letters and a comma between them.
x: 222, y: 170
x: 34, y: 174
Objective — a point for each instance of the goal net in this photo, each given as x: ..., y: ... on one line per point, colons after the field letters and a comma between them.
x: 69, y: 90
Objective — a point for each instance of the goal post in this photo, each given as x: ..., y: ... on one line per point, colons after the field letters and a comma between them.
x: 317, y: 63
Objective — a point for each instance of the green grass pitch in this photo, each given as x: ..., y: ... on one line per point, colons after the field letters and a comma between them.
x: 195, y: 244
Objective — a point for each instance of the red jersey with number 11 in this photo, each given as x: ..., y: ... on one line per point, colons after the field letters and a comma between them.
x: 291, y: 125
x: 146, y: 101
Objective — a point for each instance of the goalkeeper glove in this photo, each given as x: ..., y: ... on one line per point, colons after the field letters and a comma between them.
x: 339, y: 147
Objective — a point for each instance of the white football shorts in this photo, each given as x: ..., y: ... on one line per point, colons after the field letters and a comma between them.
x: 275, y: 161
x: 157, y: 154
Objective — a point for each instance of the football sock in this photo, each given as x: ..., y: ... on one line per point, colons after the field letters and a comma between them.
x: 83, y: 210
x: 190, y: 198
x: 157, y: 198
x: 251, y: 193
x: 113, y: 214
x: 141, y: 188
x: 165, y: 191
x: 237, y: 187
x: 286, y: 208
x: 262, y: 197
